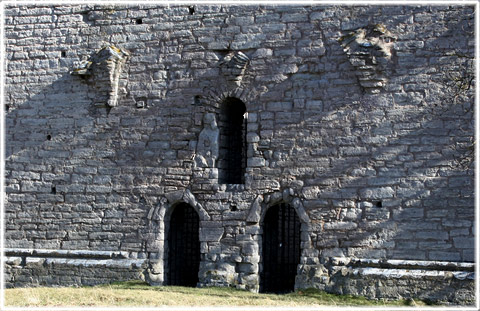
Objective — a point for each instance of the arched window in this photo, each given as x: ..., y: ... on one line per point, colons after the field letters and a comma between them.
x: 183, y: 246
x: 232, y: 158
x: 280, y: 249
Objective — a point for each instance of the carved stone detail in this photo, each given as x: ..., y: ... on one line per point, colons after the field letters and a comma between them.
x: 254, y: 215
x: 233, y: 66
x: 262, y: 202
x: 207, y: 146
x: 105, y: 66
x: 188, y: 197
x: 369, y: 51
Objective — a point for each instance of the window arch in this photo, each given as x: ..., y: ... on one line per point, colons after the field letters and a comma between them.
x: 232, y: 159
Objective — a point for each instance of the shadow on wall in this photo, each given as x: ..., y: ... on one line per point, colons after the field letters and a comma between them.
x: 47, y: 117
x: 69, y: 168
x: 377, y: 182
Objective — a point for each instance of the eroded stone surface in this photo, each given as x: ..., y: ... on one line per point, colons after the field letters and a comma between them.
x: 369, y: 49
x: 104, y: 68
x: 355, y: 134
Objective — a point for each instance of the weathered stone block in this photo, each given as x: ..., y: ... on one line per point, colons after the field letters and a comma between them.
x: 249, y: 248
x: 211, y: 234
x: 256, y: 162
x: 377, y: 193
x: 333, y: 128
x: 340, y: 225
x: 464, y: 242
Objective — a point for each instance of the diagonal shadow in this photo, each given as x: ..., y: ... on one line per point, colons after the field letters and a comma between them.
x: 353, y: 155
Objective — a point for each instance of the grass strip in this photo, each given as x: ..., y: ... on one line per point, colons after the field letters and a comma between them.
x: 137, y: 293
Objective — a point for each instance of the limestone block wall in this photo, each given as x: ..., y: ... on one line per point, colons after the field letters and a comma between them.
x: 24, y: 267
x: 357, y: 116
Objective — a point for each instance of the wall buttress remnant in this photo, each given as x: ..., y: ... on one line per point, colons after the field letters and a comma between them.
x: 369, y: 51
x: 106, y: 66
x: 354, y: 123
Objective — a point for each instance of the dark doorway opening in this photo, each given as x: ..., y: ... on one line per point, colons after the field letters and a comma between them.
x: 183, y: 246
x: 232, y: 159
x: 280, y: 250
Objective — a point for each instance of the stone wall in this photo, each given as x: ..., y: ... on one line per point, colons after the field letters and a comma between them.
x: 432, y: 281
x: 358, y: 116
x: 39, y: 267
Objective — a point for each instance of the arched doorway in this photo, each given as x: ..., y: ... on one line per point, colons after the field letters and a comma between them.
x: 280, y: 249
x: 183, y: 246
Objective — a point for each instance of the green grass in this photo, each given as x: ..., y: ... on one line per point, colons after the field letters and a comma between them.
x: 136, y: 293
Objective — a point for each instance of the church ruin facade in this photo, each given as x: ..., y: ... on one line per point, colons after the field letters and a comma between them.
x: 266, y: 147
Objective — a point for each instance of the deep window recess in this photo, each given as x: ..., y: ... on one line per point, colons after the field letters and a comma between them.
x: 232, y: 159
x: 280, y: 249
x: 183, y: 247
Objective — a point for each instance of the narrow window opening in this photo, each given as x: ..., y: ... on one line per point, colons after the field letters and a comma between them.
x: 234, y: 208
x: 191, y: 10
x: 139, y: 21
x: 63, y: 54
x: 54, y: 190
x: 49, y: 137
x: 379, y: 204
x: 7, y: 108
x: 232, y: 159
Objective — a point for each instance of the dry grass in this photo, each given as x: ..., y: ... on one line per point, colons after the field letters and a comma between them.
x: 141, y: 294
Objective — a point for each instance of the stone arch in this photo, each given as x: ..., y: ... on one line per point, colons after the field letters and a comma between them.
x: 257, y: 214
x: 155, y: 273
x: 185, y: 196
x: 215, y: 96
x: 260, y: 205
x: 211, y: 101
